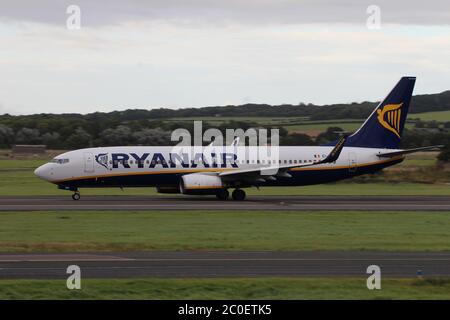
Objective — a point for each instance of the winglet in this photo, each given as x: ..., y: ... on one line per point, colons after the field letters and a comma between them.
x: 334, y: 154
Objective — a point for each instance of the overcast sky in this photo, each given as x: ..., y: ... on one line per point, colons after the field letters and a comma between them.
x: 195, y: 53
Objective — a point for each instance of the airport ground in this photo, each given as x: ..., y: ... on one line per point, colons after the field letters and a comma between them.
x: 92, y: 231
x: 229, y: 288
x: 104, y: 232
x: 386, y: 231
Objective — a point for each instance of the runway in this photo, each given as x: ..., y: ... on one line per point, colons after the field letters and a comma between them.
x: 276, y: 203
x: 223, y: 264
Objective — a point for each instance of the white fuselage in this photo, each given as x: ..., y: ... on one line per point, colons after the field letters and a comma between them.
x: 100, y: 164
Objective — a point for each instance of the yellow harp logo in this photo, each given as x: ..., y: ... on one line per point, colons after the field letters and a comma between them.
x: 389, y: 117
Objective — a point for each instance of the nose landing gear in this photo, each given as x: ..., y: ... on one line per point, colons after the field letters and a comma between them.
x: 76, y: 195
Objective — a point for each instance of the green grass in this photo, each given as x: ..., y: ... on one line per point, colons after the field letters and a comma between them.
x: 360, y: 189
x: 418, y: 162
x: 419, y: 159
x: 223, y: 230
x: 17, y: 178
x: 441, y: 116
x: 267, y: 288
x: 347, y: 126
x: 297, y: 124
x: 259, y: 120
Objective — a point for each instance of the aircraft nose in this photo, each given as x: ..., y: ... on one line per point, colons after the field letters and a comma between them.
x: 42, y: 172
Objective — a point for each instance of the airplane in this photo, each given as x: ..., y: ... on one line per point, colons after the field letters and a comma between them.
x: 373, y: 147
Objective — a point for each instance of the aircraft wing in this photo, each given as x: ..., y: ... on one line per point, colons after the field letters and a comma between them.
x: 407, y: 151
x: 266, y: 172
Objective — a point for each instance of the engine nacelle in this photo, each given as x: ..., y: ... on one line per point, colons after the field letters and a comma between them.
x: 199, y: 183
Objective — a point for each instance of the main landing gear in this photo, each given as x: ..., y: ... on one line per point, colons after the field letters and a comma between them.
x: 223, y: 194
x: 76, y: 195
x: 237, y: 195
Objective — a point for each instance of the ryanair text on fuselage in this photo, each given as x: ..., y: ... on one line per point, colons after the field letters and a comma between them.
x: 212, y: 160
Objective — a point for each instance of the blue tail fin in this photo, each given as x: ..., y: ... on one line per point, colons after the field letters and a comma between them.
x: 384, y: 127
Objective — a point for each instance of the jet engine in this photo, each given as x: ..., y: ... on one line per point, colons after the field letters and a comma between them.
x: 200, y: 183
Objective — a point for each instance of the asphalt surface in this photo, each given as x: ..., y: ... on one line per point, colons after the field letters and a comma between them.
x: 223, y: 264
x: 342, y: 203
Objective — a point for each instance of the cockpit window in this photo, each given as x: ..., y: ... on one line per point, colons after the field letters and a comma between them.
x: 59, y: 161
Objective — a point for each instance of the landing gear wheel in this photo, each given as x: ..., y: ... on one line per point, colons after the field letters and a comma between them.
x: 238, y: 195
x: 76, y: 196
x: 223, y: 194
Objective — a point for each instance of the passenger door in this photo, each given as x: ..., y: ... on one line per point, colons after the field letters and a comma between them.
x: 88, y: 162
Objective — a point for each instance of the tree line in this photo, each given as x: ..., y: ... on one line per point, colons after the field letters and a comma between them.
x: 154, y: 127
x: 161, y: 135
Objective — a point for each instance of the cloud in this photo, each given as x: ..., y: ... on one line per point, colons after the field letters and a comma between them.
x: 228, y: 12
x: 144, y: 54
x: 156, y: 63
x: 4, y: 109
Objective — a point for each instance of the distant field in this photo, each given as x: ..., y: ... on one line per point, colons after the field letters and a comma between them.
x: 420, y: 159
x: 230, y: 288
x: 441, y: 116
x: 17, y: 178
x: 258, y: 120
x: 312, y: 128
x: 303, y: 124
x: 291, y: 124
x: 347, y: 126
x: 82, y: 231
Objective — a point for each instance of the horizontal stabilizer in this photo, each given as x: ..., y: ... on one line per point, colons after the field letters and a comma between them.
x: 407, y: 151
